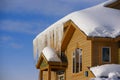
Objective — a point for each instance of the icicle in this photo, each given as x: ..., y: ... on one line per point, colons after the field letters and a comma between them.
x: 40, y: 46
x: 52, y: 34
x: 35, y: 47
x: 55, y: 42
x: 60, y: 34
x: 51, y: 37
x: 48, y: 38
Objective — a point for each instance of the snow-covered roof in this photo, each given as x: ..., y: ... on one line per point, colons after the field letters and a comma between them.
x: 106, y: 70
x: 94, y: 21
x: 50, y: 54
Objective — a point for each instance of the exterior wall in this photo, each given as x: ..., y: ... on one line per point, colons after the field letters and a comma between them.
x: 53, y: 75
x: 78, y: 40
x: 97, y: 51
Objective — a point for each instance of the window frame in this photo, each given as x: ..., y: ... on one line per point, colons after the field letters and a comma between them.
x: 74, y: 59
x: 109, y: 55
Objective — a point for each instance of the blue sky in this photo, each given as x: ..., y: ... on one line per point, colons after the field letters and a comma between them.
x: 20, y: 22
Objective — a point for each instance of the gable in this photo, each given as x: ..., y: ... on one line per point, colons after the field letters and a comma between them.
x: 43, y: 64
x: 68, y: 34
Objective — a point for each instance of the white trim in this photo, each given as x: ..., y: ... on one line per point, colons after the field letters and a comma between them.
x: 74, y: 57
x: 80, y: 53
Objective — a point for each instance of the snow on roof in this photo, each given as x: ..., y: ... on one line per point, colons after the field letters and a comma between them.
x: 106, y: 70
x: 97, y: 21
x: 94, y: 21
x: 110, y: 2
x: 50, y: 54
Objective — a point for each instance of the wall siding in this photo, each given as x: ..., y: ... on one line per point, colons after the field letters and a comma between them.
x: 53, y: 75
x: 78, y: 40
x: 97, y: 52
x: 91, y: 55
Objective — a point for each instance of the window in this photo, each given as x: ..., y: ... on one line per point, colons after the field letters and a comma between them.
x: 77, y: 60
x: 60, y: 75
x: 106, y: 54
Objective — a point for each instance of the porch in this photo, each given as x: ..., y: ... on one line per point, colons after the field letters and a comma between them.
x: 52, y: 66
x: 53, y: 63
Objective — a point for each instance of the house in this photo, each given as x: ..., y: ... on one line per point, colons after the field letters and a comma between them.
x: 67, y: 49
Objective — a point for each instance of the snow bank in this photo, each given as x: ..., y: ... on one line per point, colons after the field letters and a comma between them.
x: 50, y: 54
x: 107, y: 70
x: 113, y: 75
x: 97, y: 21
x: 104, y: 79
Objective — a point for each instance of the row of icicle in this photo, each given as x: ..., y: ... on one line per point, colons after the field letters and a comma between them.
x: 50, y: 37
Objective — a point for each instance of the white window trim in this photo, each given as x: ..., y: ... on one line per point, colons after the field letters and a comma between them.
x: 109, y: 54
x: 74, y: 56
x: 79, y: 58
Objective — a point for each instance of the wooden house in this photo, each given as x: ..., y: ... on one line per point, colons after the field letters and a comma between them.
x: 79, y: 44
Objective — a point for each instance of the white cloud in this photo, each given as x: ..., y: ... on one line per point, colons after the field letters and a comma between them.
x: 79, y: 1
x: 49, y: 7
x: 9, y: 41
x: 16, y: 45
x: 21, y: 26
x: 5, y: 38
x: 46, y: 7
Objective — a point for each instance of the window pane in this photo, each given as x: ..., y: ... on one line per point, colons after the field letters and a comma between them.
x: 77, y: 60
x: 80, y: 62
x: 74, y: 65
x: 105, y: 54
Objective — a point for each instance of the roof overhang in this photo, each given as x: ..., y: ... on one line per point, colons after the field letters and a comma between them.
x: 116, y: 39
x: 115, y: 4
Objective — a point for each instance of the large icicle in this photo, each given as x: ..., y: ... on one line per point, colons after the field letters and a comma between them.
x: 51, y: 37
x: 35, y: 46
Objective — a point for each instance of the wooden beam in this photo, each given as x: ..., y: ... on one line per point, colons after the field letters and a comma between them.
x: 57, y: 63
x: 41, y: 75
x: 101, y: 39
x: 67, y: 36
x: 45, y: 68
x: 58, y: 67
x: 49, y: 73
x: 41, y: 58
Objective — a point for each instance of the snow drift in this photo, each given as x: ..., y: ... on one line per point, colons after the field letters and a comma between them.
x: 106, y: 72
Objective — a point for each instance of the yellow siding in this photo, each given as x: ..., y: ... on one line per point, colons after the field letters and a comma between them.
x: 78, y: 40
x: 97, y: 52
x: 91, y: 54
x: 53, y: 75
